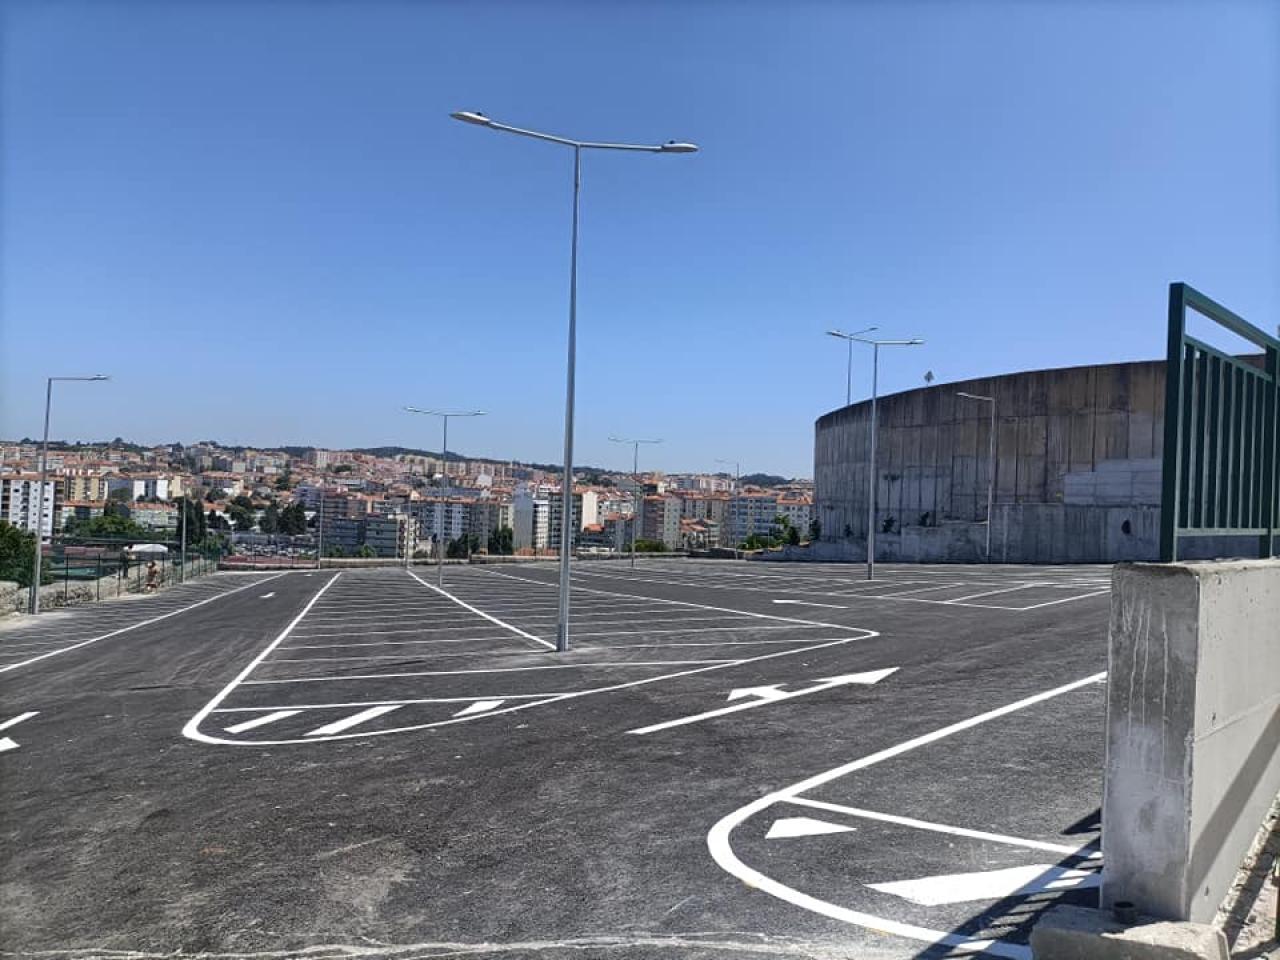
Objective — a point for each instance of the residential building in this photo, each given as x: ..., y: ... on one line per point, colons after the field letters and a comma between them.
x: 531, y: 519
x: 660, y: 520
x: 154, y: 516
x: 23, y: 506
x: 85, y: 486
x: 752, y: 512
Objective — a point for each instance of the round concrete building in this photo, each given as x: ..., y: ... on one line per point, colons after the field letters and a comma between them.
x: 1077, y: 469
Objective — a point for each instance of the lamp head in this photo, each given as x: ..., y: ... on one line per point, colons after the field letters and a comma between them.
x: 672, y: 146
x: 472, y: 116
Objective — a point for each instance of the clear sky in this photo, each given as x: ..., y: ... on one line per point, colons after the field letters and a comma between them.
x: 259, y: 218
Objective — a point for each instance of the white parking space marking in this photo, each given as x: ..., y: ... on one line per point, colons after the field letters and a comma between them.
x: 990, y: 884
x: 481, y: 613
x: 811, y: 603
x: 260, y: 721
x: 267, y: 596
x: 134, y: 626
x: 480, y: 706
x: 719, y: 842
x: 354, y: 720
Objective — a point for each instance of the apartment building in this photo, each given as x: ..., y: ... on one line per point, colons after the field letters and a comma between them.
x: 154, y: 516
x: 139, y: 487
x: 85, y: 486
x: 660, y: 520
x: 23, y: 506
x: 531, y: 519
x: 798, y: 509
x: 752, y: 513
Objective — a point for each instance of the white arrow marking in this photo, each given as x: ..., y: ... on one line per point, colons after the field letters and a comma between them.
x: 18, y: 719
x: 7, y: 744
x: 268, y: 596
x: 990, y: 884
x: 480, y: 706
x: 810, y: 603
x: 786, y: 827
x: 873, y: 676
x: 769, y: 692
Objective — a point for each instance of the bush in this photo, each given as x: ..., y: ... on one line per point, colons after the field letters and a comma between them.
x: 18, y: 554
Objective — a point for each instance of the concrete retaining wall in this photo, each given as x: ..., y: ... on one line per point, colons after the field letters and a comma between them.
x: 1193, y: 730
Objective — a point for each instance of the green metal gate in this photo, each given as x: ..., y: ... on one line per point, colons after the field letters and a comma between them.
x: 1220, y: 433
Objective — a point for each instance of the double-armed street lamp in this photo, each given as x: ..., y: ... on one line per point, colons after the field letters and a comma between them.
x: 635, y: 477
x: 444, y: 415
x: 848, y: 377
x: 566, y: 492
x: 34, y: 602
x: 991, y: 457
x: 872, y: 478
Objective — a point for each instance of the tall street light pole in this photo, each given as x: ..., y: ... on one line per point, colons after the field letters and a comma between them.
x: 635, y: 476
x: 991, y: 457
x: 444, y: 415
x: 671, y: 146
x: 873, y: 478
x: 34, y: 603
x: 848, y: 377
x: 737, y: 495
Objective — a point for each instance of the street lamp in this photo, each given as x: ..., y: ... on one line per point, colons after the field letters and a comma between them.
x: 635, y: 476
x: 566, y: 492
x: 873, y: 477
x: 444, y: 415
x: 34, y: 604
x: 737, y: 494
x: 991, y: 454
x: 849, y: 338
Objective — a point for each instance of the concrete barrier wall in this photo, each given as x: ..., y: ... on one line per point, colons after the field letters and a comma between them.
x: 1193, y: 730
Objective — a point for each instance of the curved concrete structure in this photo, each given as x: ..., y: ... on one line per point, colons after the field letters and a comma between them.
x: 1077, y: 469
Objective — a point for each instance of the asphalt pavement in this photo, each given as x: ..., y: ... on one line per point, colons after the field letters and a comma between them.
x: 733, y: 760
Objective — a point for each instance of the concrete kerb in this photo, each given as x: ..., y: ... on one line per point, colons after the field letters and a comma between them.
x: 1081, y: 933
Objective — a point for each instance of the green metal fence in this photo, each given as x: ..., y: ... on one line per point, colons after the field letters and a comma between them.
x: 1220, y: 433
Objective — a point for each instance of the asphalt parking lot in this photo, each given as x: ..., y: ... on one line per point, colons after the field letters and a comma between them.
x: 733, y: 760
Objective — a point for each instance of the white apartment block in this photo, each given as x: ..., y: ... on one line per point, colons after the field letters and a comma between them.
x: 799, y: 510
x: 530, y: 519
x: 140, y: 487
x: 22, y: 505
x: 752, y: 513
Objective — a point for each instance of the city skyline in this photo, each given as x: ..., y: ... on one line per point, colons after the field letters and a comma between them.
x: 278, y: 241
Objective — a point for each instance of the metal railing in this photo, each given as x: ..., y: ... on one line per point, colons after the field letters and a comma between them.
x: 1220, y: 433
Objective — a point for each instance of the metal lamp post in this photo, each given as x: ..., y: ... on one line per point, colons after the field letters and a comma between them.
x: 991, y: 455
x: 444, y: 415
x: 737, y: 493
x: 671, y: 146
x: 873, y: 478
x: 848, y: 378
x: 635, y: 476
x: 34, y: 603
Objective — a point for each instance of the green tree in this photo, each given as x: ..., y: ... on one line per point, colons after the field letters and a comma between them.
x: 366, y: 552
x: 293, y: 519
x: 108, y: 526
x: 241, y: 517
x: 18, y: 554
x: 502, y: 542
x: 242, y: 500
x: 793, y: 536
x: 189, y: 512
x: 464, y: 546
x: 269, y: 522
x: 215, y: 495
x: 650, y: 546
x: 334, y: 551
x: 815, y: 529
x: 284, y: 481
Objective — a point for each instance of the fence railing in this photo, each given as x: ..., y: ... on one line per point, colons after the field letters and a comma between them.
x: 1220, y: 433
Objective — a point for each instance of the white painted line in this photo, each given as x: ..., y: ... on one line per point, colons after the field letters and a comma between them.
x: 480, y: 706
x: 481, y: 613
x: 7, y: 744
x: 685, y: 603
x: 811, y: 603
x: 721, y: 849
x: 785, y: 828
x: 990, y: 884
x: 534, y: 701
x: 1083, y: 853
x: 384, y: 643
x: 14, y: 721
x: 376, y: 703
x: 144, y: 623
x: 192, y: 728
x: 456, y: 673
x: 354, y: 720
x: 991, y: 593
x: 260, y: 721
x: 267, y: 596
x: 1050, y: 603
x: 767, y: 695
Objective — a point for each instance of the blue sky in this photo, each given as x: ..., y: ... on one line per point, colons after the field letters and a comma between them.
x: 260, y: 220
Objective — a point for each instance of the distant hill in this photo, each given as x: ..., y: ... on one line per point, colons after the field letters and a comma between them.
x: 454, y: 456
x: 763, y: 479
